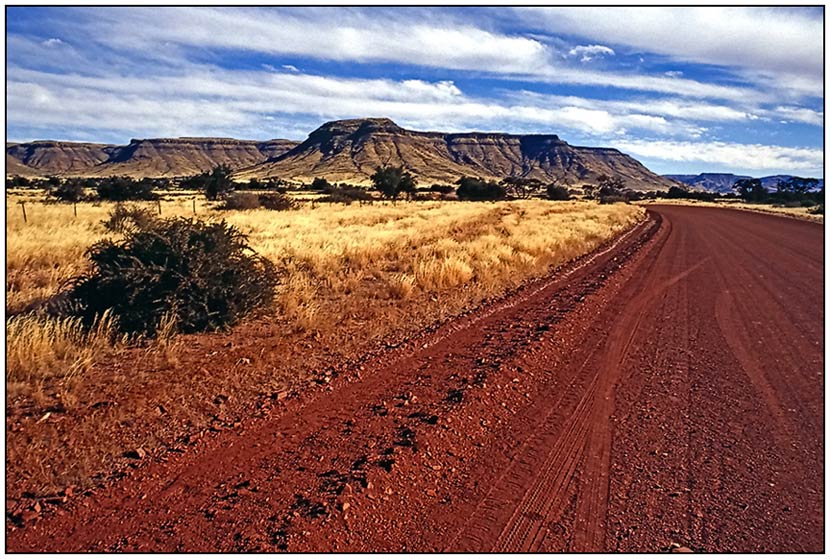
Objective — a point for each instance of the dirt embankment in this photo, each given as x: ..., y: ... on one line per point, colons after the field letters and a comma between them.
x: 666, y: 391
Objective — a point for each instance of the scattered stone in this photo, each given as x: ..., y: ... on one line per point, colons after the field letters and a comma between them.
x: 137, y: 454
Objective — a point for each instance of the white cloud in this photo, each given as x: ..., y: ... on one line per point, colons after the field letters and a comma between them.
x: 799, y: 114
x: 779, y: 44
x: 367, y: 37
x: 672, y: 107
x: 323, y: 34
x: 53, y: 42
x: 290, y: 68
x: 206, y: 100
x: 755, y: 157
x: 586, y: 53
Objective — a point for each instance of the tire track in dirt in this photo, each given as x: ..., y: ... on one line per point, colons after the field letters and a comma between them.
x: 624, y: 403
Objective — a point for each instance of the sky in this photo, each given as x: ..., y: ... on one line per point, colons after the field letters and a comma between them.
x: 682, y: 89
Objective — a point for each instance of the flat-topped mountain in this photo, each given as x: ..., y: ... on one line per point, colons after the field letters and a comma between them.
x: 342, y: 150
x: 351, y: 150
x: 162, y: 157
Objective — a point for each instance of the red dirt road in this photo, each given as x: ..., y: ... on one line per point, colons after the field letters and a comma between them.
x: 666, y: 390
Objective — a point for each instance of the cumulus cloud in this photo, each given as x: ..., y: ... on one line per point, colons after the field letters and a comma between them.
x: 586, y: 53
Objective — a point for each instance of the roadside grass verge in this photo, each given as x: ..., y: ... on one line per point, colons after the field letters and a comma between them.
x: 353, y: 279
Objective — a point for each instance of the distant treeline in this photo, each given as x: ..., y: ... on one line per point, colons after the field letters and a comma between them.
x: 393, y: 183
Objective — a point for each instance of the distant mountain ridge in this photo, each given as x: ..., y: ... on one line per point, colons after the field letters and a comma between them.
x: 351, y: 150
x: 343, y: 150
x: 160, y: 157
x: 723, y: 182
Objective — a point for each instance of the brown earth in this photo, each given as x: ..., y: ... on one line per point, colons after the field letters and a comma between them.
x: 664, y: 392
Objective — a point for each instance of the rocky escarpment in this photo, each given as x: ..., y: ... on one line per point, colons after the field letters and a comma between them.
x: 342, y: 150
x: 163, y: 157
x: 351, y: 150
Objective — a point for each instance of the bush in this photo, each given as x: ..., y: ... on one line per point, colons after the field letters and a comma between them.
x: 346, y: 195
x: 128, y: 218
x: 69, y: 191
x: 241, y: 201
x: 442, y: 188
x: 478, y: 189
x: 320, y: 184
x: 391, y: 182
x: 557, y: 192
x: 277, y: 201
x: 204, y: 276
x: 121, y: 189
x: 818, y: 210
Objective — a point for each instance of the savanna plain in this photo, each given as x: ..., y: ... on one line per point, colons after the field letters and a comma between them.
x: 84, y: 404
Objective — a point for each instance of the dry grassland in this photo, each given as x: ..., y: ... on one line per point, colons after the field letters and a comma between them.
x: 355, y: 277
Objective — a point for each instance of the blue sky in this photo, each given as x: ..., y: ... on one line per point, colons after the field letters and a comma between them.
x: 684, y: 90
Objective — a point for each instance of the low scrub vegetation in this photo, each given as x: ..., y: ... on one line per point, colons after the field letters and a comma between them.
x: 479, y: 190
x: 203, y: 276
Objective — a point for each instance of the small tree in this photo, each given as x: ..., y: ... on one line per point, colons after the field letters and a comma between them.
x: 479, y: 189
x: 121, y: 189
x: 216, y: 183
x: 557, y: 192
x: 68, y: 191
x: 751, y: 190
x: 798, y: 186
x: 392, y: 181
x: 320, y: 183
x: 521, y: 187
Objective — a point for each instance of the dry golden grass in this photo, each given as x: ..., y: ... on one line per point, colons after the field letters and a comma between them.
x: 328, y: 252
x: 353, y: 276
x: 44, y: 352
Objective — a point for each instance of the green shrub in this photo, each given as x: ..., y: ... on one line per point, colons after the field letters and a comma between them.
x: 67, y: 191
x: 128, y: 218
x: 203, y: 276
x: 557, y: 192
x: 320, y: 183
x: 277, y: 201
x: 120, y: 189
x: 479, y: 189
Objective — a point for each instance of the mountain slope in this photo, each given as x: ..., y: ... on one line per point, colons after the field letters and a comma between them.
x: 344, y: 150
x: 54, y: 158
x: 723, y: 182
x: 164, y: 157
x: 351, y: 150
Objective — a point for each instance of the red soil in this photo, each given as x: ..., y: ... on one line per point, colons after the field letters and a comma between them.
x: 666, y: 391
